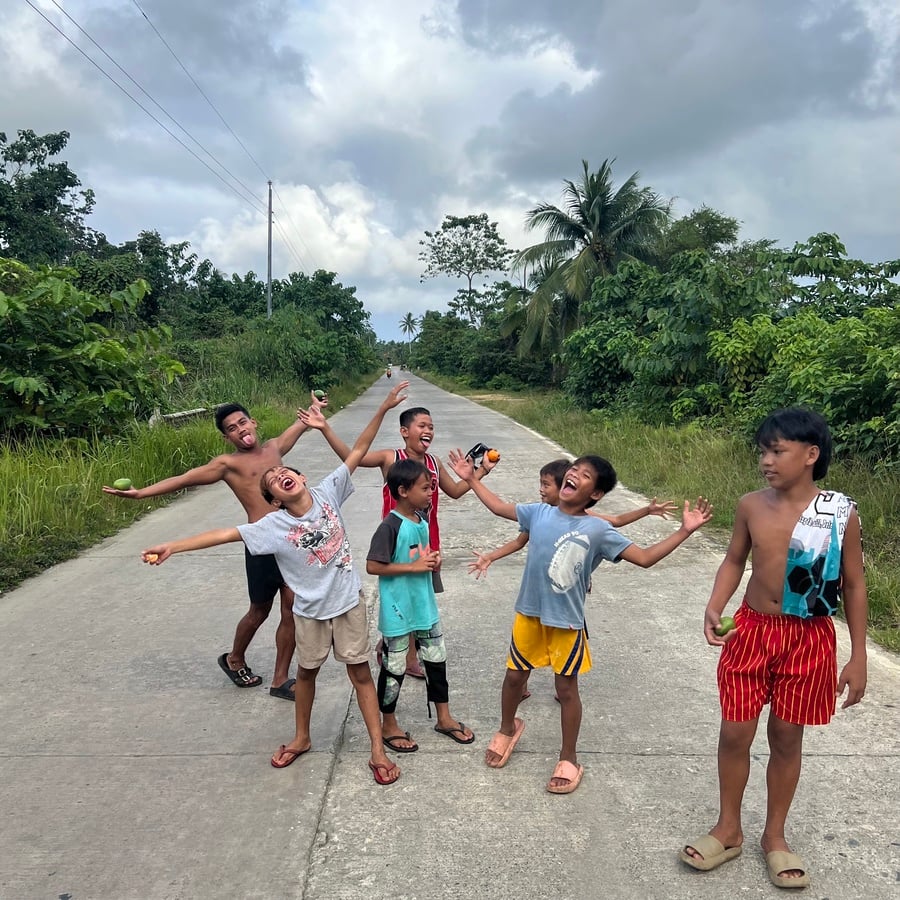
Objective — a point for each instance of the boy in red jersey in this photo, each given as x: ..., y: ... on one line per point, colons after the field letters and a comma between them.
x: 807, y: 552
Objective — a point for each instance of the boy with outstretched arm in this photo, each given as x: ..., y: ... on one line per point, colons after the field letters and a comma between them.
x: 241, y: 470
x: 417, y: 431
x: 307, y: 535
x: 401, y: 556
x: 807, y: 553
x: 549, y: 624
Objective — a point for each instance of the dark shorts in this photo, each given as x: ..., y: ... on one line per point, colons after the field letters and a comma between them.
x: 263, y: 578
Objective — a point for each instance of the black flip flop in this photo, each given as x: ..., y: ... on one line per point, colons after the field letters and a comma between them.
x: 389, y: 742
x: 242, y: 677
x: 453, y: 732
x: 283, y: 691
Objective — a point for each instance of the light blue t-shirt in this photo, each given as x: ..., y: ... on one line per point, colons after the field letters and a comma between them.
x: 563, y: 550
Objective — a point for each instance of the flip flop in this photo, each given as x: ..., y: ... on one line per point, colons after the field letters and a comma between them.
x: 291, y: 754
x: 568, y: 771
x: 504, y: 744
x: 453, y: 732
x: 379, y: 768
x: 778, y: 861
x: 283, y: 691
x: 242, y: 677
x: 389, y: 742
x: 713, y: 851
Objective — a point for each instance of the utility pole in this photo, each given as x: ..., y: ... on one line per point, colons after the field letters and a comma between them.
x: 269, y: 256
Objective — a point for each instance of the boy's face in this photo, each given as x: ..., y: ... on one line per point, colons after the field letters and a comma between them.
x: 418, y: 495
x: 785, y: 462
x: 284, y: 485
x: 549, y: 490
x: 579, y: 486
x: 419, y: 434
x: 240, y: 430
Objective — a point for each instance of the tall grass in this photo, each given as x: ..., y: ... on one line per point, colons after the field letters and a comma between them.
x: 51, y: 502
x: 688, y: 461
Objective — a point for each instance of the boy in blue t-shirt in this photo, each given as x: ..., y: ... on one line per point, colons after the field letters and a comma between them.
x: 567, y: 545
x: 401, y: 556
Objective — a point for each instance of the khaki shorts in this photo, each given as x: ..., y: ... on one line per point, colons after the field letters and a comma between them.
x: 347, y: 634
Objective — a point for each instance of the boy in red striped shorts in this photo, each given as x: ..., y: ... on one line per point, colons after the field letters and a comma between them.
x: 807, y: 554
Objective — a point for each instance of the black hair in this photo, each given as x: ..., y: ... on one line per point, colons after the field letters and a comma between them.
x: 404, y: 474
x: 264, y: 488
x: 798, y: 424
x: 606, y: 475
x: 556, y: 470
x: 227, y: 409
x: 407, y: 416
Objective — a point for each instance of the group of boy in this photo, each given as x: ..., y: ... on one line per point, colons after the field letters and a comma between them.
x: 807, y: 554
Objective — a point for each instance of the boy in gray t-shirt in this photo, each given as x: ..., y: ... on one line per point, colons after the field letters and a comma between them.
x: 566, y: 545
x: 308, y: 538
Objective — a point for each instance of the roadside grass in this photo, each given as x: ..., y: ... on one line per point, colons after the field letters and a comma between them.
x: 51, y: 502
x: 682, y: 463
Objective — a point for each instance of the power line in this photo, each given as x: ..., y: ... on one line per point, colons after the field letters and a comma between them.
x: 231, y: 131
x: 257, y: 206
x: 200, y: 89
x: 153, y: 100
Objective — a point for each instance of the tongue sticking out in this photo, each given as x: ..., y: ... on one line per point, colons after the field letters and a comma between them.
x: 247, y: 440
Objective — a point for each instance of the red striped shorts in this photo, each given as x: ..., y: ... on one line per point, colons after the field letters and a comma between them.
x: 783, y: 660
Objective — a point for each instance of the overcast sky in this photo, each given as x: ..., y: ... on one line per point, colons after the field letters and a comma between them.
x: 373, y: 125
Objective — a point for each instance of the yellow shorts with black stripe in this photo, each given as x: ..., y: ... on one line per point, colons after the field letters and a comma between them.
x: 535, y: 645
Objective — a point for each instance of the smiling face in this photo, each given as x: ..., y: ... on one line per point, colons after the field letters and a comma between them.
x: 282, y: 485
x: 784, y: 463
x: 419, y: 434
x: 579, y: 488
x: 240, y: 430
x: 549, y: 490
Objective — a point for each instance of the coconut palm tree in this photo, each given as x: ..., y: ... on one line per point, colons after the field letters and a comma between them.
x: 597, y: 228
x: 409, y: 325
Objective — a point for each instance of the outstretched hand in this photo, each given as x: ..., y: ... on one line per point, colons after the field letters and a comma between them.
x: 461, y: 465
x: 663, y: 510
x: 479, y: 565
x: 692, y: 519
x: 318, y: 402
x: 157, y: 555
x: 395, y: 396
x: 131, y: 493
x: 312, y: 417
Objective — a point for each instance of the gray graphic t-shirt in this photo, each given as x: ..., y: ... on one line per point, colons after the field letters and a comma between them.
x: 312, y: 551
x: 563, y: 550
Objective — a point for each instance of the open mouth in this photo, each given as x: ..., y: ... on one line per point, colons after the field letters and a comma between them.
x: 248, y: 440
x: 426, y: 439
x: 569, y: 485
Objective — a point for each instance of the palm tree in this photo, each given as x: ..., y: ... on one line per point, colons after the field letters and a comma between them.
x: 409, y: 325
x: 598, y: 228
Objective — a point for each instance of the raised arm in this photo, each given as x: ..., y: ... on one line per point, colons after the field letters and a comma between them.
x: 463, y: 467
x: 209, y: 473
x: 691, y: 520
x: 455, y: 489
x: 161, y: 552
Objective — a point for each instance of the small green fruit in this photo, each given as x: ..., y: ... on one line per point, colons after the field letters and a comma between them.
x: 319, y: 395
x: 726, y: 624
x: 122, y: 484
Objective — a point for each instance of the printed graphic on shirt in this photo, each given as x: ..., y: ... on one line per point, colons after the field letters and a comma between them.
x: 812, y: 580
x: 324, y: 538
x: 567, y: 564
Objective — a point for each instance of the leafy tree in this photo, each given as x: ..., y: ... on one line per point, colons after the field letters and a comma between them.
x: 61, y: 368
x: 703, y: 229
x: 442, y: 342
x: 598, y: 228
x: 41, y: 211
x: 465, y: 247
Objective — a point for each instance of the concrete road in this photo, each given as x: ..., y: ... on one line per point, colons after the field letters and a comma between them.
x: 131, y: 768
